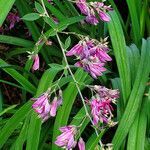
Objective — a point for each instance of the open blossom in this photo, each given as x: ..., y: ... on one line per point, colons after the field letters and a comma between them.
x: 44, y: 108
x: 92, y: 56
x: 67, y: 139
x: 91, y: 10
x: 12, y: 18
x: 36, y: 63
x: 101, y: 105
x: 81, y: 144
x: 92, y: 65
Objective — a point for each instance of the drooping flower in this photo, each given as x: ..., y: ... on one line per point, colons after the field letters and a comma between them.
x: 54, y: 105
x: 36, y: 63
x: 82, y: 5
x: 67, y: 139
x: 103, y: 16
x: 91, y: 10
x: 92, y: 65
x: 81, y: 144
x: 44, y: 108
x: 107, y: 93
x: 12, y: 18
x: 101, y: 104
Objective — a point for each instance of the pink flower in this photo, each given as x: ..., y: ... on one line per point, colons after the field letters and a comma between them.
x: 92, y: 65
x: 12, y: 18
x: 91, y: 9
x: 76, y: 50
x: 45, y: 109
x: 54, y: 105
x: 92, y: 56
x: 101, y: 54
x: 103, y: 16
x: 67, y: 139
x: 82, y: 5
x: 106, y: 93
x: 36, y: 63
x: 101, y: 104
x: 81, y: 144
x: 92, y: 19
x: 42, y: 106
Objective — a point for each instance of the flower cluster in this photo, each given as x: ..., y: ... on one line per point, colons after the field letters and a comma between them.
x: 44, y: 108
x: 92, y: 56
x: 92, y: 10
x: 101, y: 104
x: 67, y: 139
x: 12, y: 18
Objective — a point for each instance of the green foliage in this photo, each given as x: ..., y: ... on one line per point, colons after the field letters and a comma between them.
x: 5, y: 7
x: 20, y: 126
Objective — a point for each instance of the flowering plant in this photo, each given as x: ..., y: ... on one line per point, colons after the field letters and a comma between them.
x: 69, y: 80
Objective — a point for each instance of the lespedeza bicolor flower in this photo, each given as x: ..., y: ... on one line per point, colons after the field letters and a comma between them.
x: 101, y: 104
x: 44, y: 108
x: 91, y: 9
x: 36, y: 62
x: 92, y: 56
x: 81, y: 144
x: 67, y: 139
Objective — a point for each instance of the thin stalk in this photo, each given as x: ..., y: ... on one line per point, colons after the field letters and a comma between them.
x: 76, y: 83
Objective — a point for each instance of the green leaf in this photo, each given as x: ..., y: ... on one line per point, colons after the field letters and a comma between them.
x: 15, y: 41
x: 31, y: 17
x: 67, y: 42
x: 5, y: 7
x: 7, y: 109
x: 132, y: 5
x: 18, y: 77
x: 13, y: 123
x: 39, y: 8
x: 92, y: 144
x: 135, y: 98
x: 18, y: 145
x: 56, y: 66
x: 119, y: 47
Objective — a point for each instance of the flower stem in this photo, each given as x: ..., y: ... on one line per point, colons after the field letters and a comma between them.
x: 76, y: 83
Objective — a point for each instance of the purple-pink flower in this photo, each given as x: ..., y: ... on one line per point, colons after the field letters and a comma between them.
x: 67, y: 139
x: 36, y: 63
x: 91, y: 10
x: 44, y: 108
x: 101, y: 104
x: 81, y: 144
x: 92, y: 56
x: 12, y: 18
x: 92, y: 65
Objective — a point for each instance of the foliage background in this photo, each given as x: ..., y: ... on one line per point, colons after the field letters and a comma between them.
x: 128, y: 33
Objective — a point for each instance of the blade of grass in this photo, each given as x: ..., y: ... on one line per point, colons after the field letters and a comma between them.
x: 119, y: 48
x: 18, y: 77
x: 13, y: 123
x: 133, y: 9
x: 5, y: 7
x: 15, y: 41
x: 135, y: 97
